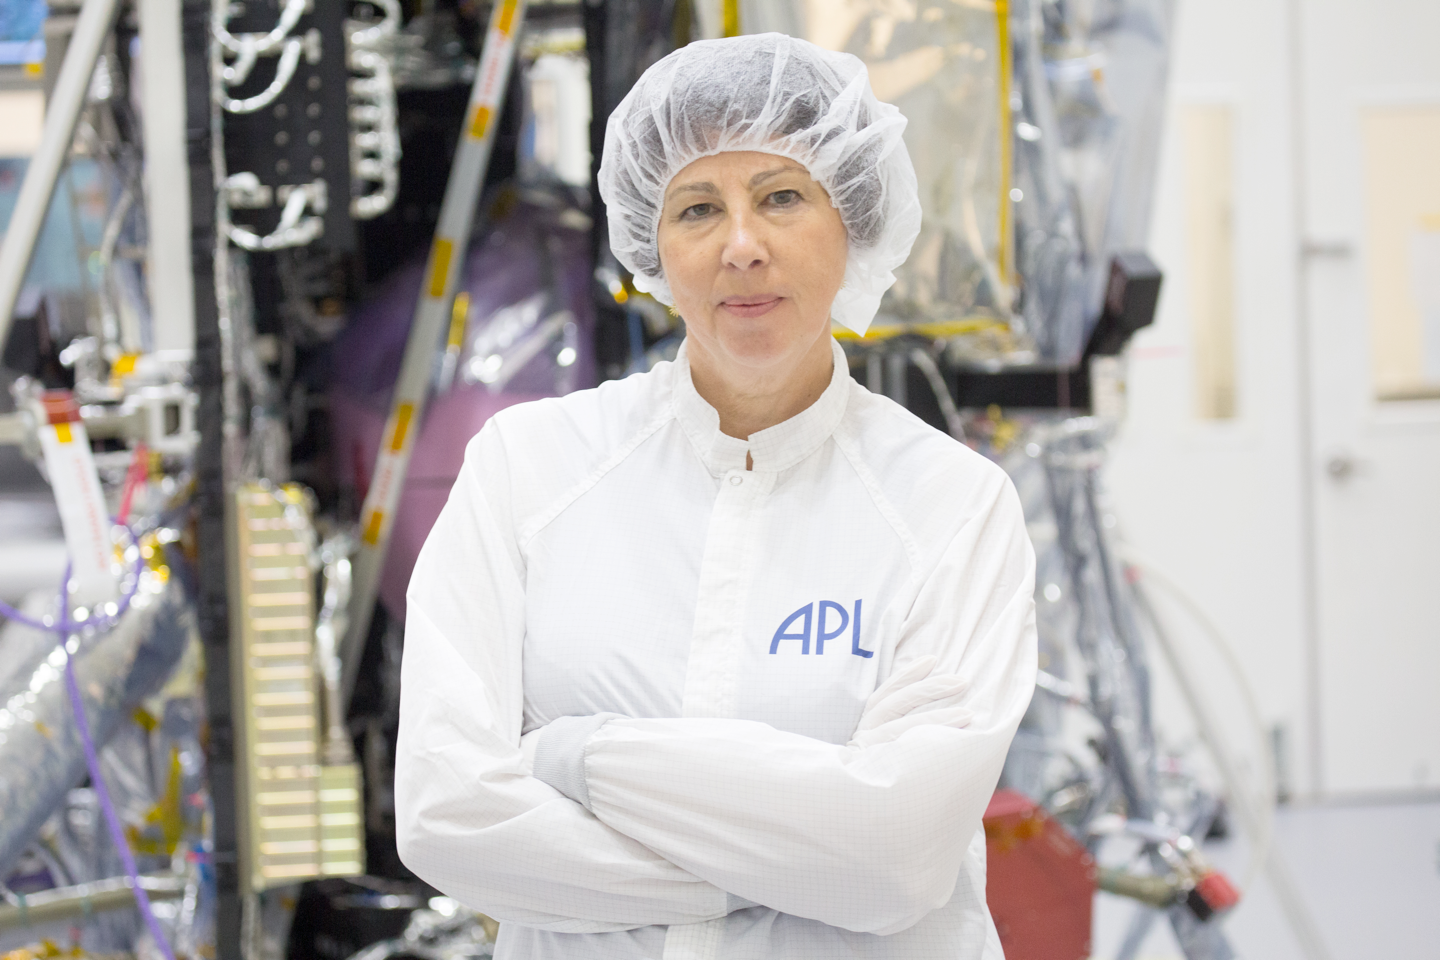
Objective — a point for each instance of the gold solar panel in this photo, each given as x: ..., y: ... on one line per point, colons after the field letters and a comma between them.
x: 300, y: 819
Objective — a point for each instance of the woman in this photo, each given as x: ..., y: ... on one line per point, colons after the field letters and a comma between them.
x: 723, y: 660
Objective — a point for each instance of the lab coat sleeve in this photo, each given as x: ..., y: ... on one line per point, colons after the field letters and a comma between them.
x: 470, y: 818
x: 868, y: 839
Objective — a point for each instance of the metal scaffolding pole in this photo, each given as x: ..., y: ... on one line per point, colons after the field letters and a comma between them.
x: 86, y: 899
x: 432, y: 320
x: 61, y: 113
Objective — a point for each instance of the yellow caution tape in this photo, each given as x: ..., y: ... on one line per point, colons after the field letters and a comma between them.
x: 403, y: 413
x: 440, y: 266
x: 1006, y: 254
x: 459, y: 313
x: 506, y: 23
x: 372, y: 527
x: 730, y: 18
x: 935, y: 330
x: 480, y: 123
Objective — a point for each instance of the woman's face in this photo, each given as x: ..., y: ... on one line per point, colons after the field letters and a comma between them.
x: 755, y: 255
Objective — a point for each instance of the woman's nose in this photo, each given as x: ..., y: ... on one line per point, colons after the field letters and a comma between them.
x: 745, y: 246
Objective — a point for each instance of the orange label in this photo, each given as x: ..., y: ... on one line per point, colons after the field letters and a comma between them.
x: 372, y: 527
x: 60, y: 406
x: 440, y: 266
x: 403, y: 413
x: 481, y: 121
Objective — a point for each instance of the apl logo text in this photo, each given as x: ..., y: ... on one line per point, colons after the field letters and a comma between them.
x: 827, y: 622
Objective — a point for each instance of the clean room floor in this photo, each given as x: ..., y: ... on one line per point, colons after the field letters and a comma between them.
x: 1369, y: 874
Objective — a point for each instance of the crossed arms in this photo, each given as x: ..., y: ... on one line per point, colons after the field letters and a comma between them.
x: 684, y: 819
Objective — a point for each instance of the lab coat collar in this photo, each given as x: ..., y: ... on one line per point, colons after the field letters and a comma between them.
x: 771, y: 450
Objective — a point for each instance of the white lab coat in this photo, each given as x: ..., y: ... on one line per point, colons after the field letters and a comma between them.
x: 608, y: 552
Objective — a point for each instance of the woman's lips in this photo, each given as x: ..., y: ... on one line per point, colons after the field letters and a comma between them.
x: 750, y: 307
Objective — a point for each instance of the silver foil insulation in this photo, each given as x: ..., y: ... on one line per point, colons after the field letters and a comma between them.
x: 41, y: 754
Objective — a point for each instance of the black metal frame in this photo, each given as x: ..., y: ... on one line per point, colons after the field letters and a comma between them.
x: 1131, y: 298
x: 213, y: 607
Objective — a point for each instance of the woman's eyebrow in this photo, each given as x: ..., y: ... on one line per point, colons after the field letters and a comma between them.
x: 703, y: 186
x: 761, y: 177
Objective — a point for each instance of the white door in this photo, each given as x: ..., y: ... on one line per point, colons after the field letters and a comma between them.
x: 1370, y: 274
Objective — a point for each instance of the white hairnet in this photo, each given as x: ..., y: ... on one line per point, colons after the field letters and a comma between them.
x: 773, y: 94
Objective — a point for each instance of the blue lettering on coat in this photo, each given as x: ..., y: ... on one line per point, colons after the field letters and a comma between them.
x: 804, y: 636
x: 809, y: 619
x: 855, y: 636
x: 822, y: 634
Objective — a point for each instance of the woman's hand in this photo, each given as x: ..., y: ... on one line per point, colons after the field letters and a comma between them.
x: 913, y: 696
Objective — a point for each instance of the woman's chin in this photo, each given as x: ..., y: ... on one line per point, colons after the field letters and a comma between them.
x: 760, y: 350
x: 762, y: 342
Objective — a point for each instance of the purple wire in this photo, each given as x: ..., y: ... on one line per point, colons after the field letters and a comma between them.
x: 99, y: 625
x: 92, y: 759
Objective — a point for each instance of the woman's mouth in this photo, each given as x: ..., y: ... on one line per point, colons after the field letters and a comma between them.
x: 751, y: 306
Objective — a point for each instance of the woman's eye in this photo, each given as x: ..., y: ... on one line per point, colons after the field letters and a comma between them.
x: 697, y: 211
x: 784, y: 198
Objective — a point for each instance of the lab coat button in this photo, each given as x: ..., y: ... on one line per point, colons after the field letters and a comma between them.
x: 736, y: 481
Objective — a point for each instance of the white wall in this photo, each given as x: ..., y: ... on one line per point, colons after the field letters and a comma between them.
x: 1306, y: 526
x: 1217, y: 504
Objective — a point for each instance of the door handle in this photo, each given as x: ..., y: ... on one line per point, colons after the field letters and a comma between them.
x: 1342, y: 466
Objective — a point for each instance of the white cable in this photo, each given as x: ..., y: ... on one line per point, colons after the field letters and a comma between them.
x: 1062, y: 689
x: 375, y: 136
x: 284, y: 71
x: 928, y: 367
x: 1217, y: 639
x: 364, y: 34
x: 291, y: 231
x: 375, y: 133
x: 263, y: 43
x: 238, y: 72
x: 109, y: 322
x: 1259, y: 825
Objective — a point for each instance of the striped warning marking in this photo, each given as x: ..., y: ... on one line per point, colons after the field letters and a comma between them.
x: 506, y: 23
x: 480, y: 123
x: 440, y: 266
x: 403, y: 414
